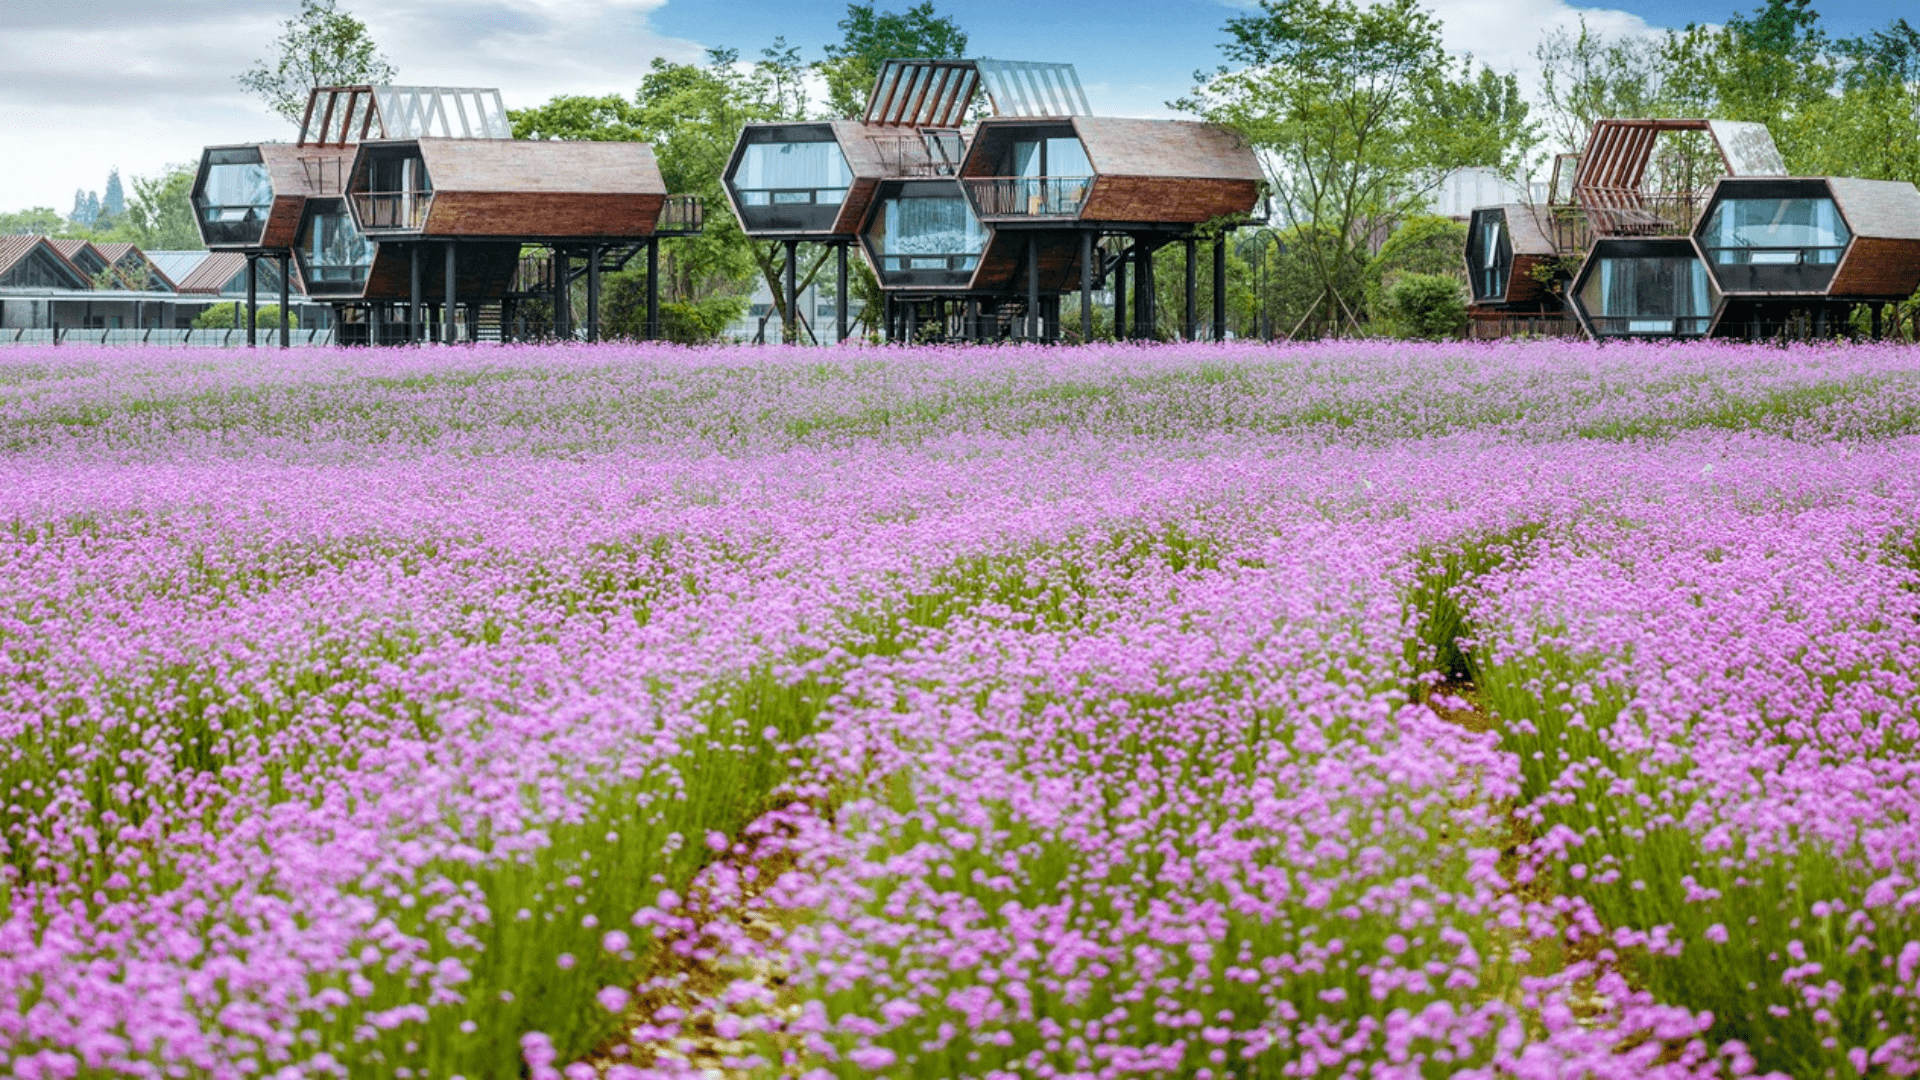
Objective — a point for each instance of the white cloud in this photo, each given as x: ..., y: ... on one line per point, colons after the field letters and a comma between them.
x: 140, y: 85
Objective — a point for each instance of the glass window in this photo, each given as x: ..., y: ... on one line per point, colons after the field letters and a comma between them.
x: 810, y: 172
x: 1062, y: 156
x: 334, y: 252
x: 238, y: 188
x: 1067, y: 158
x: 1806, y: 230
x: 929, y: 233
x: 1649, y: 295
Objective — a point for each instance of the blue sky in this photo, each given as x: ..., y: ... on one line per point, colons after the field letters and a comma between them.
x: 139, y: 84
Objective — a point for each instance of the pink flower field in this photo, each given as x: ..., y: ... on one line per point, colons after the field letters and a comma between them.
x: 1519, y: 710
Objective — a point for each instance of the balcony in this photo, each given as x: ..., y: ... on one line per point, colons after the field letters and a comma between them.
x: 681, y: 216
x: 932, y: 153
x: 1028, y: 198
x: 392, y: 211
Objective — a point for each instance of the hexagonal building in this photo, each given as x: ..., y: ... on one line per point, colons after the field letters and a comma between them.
x: 1051, y: 188
x: 1807, y: 249
x: 1634, y: 287
x: 397, y: 199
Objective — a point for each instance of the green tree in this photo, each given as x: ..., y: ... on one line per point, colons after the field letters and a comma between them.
x: 113, y: 199
x: 1586, y: 78
x: 1425, y: 244
x: 160, y: 216
x: 321, y: 46
x: 691, y: 115
x: 869, y: 37
x: 1867, y: 127
x: 44, y: 221
x: 1359, y: 113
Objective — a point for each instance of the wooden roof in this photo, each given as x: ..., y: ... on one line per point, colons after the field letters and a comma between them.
x: 509, y: 165
x: 1528, y: 228
x: 1165, y: 148
x: 1878, y: 208
x: 17, y: 248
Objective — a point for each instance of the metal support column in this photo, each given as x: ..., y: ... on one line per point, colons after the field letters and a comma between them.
x: 253, y: 295
x: 473, y: 321
x: 653, y: 288
x: 1121, y: 330
x: 1221, y: 287
x: 286, y: 334
x: 1188, y: 309
x: 841, y: 292
x: 451, y: 306
x: 1144, y: 293
x: 593, y: 293
x: 561, y: 329
x: 416, y: 331
x: 1087, y: 286
x: 1033, y: 314
x: 791, y: 322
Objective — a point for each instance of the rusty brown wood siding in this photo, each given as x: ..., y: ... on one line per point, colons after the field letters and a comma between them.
x: 1877, y: 267
x: 482, y: 272
x: 283, y: 221
x: 541, y: 214
x: 293, y: 187
x: 1167, y: 200
x: 1004, y: 265
x: 854, y: 208
x: 1523, y: 288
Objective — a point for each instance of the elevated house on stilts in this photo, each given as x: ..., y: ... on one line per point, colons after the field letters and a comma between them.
x: 976, y: 231
x: 408, y: 209
x: 1743, y: 252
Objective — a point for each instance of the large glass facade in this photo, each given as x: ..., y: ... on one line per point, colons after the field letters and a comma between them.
x: 1778, y: 231
x: 234, y: 197
x: 1648, y: 293
x: 927, y: 228
x: 334, y: 254
x: 777, y: 174
x: 1775, y: 236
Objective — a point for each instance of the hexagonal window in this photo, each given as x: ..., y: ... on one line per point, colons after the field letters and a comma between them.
x: 1490, y: 255
x: 391, y: 190
x: 923, y: 233
x: 789, y: 178
x: 1773, y: 236
x: 334, y: 254
x: 232, y: 196
x: 1646, y: 288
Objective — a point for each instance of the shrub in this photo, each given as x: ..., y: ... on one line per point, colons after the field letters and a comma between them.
x: 1426, y: 306
x: 221, y: 317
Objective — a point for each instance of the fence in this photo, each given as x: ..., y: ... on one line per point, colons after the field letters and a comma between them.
x: 158, y: 336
